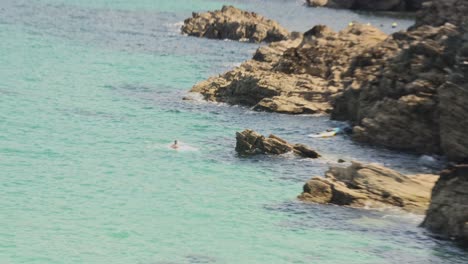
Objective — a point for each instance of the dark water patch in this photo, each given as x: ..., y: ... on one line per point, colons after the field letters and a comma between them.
x: 383, y: 225
x: 199, y: 259
x: 91, y: 114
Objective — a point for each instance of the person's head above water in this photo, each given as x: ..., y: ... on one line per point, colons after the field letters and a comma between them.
x: 175, y: 142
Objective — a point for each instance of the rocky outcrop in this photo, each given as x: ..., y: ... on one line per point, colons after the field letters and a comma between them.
x: 453, y: 102
x: 297, y: 76
x: 410, y: 92
x: 391, y: 90
x: 249, y: 142
x: 448, y: 212
x: 370, y: 5
x: 233, y: 23
x: 438, y: 13
x: 370, y: 185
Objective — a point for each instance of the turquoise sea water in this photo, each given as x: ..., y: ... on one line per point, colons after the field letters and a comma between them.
x: 90, y: 99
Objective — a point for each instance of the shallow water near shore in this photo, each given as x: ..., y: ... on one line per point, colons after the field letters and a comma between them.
x: 91, y: 98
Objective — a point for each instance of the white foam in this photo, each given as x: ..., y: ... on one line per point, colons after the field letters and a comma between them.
x: 182, y: 147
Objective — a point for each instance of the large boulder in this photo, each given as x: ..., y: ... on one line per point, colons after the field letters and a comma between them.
x: 233, y: 23
x: 249, y: 142
x: 448, y: 212
x: 370, y: 185
x: 296, y: 76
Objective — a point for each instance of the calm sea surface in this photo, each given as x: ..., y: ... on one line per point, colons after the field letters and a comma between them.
x: 90, y: 98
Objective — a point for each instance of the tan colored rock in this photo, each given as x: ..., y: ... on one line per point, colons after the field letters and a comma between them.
x: 391, y: 90
x: 448, y: 212
x: 316, y: 3
x: 249, y: 142
x: 372, y: 186
x: 233, y: 23
x: 296, y: 76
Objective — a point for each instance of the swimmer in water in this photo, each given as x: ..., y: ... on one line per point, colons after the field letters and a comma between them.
x: 175, y: 145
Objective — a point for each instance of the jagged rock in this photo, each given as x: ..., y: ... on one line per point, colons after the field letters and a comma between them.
x: 453, y: 103
x: 391, y: 90
x: 249, y: 142
x: 233, y: 23
x: 370, y: 185
x: 296, y: 76
x: 438, y: 13
x: 448, y: 212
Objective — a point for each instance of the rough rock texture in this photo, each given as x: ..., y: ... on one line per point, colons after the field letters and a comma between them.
x: 250, y: 142
x: 235, y: 24
x: 391, y: 90
x: 410, y: 92
x: 370, y: 185
x: 453, y: 102
x: 370, y: 5
x: 448, y: 213
x: 297, y: 76
x: 437, y: 13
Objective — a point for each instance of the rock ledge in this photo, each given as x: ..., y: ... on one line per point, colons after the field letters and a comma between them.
x: 250, y: 142
x: 370, y: 185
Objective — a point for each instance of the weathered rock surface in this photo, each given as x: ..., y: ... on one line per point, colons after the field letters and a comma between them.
x: 410, y: 92
x: 370, y: 5
x: 438, y: 13
x: 448, y: 212
x: 297, y: 76
x: 233, y: 23
x: 250, y: 142
x: 391, y: 90
x: 453, y: 102
x: 370, y: 185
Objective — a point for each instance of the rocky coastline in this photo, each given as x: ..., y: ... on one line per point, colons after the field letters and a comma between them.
x: 405, y: 91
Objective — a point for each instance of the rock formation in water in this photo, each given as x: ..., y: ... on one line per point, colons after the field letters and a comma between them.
x: 448, y: 213
x: 369, y: 5
x: 296, y: 76
x: 391, y: 90
x: 411, y: 92
x: 250, y: 142
x: 407, y: 91
x: 235, y: 24
x: 370, y: 185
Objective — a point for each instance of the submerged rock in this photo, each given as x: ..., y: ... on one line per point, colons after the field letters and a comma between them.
x: 370, y: 185
x: 448, y: 212
x: 297, y: 76
x: 233, y: 23
x: 249, y: 142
